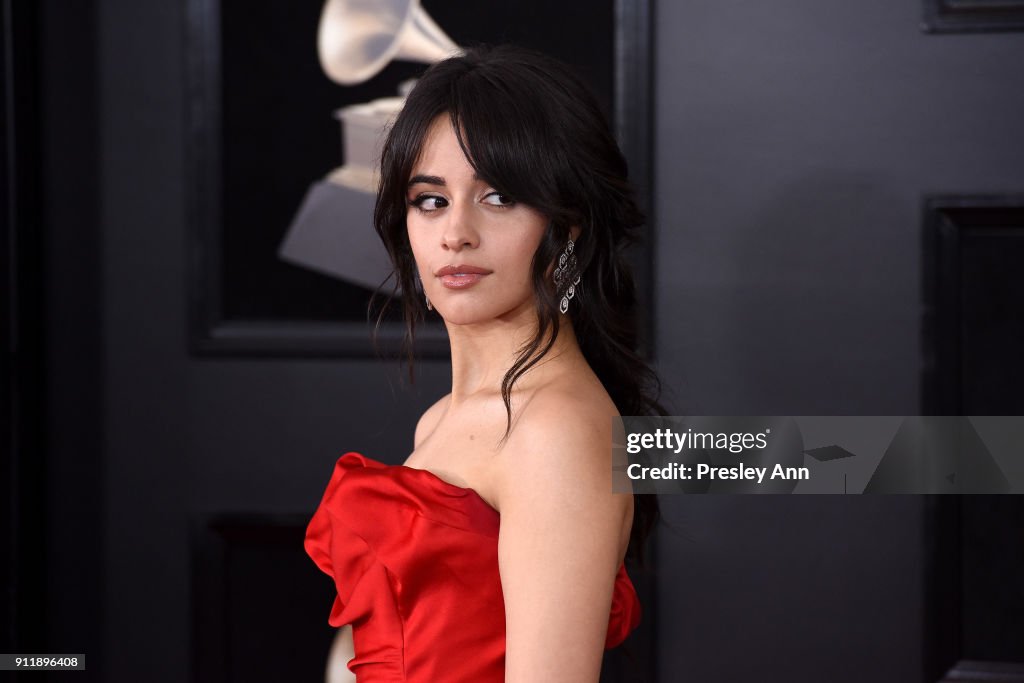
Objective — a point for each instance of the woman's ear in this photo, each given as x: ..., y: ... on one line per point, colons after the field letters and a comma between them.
x: 574, y: 232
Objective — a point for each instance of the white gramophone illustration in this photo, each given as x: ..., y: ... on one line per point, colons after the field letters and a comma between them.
x: 332, y: 232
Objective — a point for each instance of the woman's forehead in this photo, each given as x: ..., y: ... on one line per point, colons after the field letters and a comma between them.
x: 441, y: 155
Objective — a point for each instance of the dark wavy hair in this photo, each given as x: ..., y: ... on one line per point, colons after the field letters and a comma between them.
x: 534, y: 132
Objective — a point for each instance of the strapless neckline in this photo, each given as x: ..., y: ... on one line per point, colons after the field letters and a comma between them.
x: 433, y: 497
x: 436, y: 479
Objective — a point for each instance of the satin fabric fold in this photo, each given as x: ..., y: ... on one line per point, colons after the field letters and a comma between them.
x: 415, y: 563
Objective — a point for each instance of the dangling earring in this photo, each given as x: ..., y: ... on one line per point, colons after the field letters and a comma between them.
x: 430, y: 306
x: 566, y: 266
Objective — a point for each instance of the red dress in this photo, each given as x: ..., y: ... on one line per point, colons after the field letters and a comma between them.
x: 415, y: 562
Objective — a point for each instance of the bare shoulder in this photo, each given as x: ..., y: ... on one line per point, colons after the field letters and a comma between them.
x: 429, y: 419
x: 562, y: 442
x: 578, y: 418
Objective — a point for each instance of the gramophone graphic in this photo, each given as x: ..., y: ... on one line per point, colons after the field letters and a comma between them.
x: 332, y: 232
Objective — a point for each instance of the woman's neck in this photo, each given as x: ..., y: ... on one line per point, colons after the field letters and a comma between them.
x: 483, y: 354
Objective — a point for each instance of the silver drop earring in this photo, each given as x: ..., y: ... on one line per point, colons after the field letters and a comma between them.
x: 566, y: 266
x: 430, y: 306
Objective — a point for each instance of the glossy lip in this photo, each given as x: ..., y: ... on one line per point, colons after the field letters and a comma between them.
x: 461, y: 276
x: 462, y: 269
x: 461, y: 281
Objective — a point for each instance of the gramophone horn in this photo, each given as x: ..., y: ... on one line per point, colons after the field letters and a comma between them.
x: 358, y: 38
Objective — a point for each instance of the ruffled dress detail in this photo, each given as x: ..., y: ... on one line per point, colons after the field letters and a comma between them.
x: 415, y: 563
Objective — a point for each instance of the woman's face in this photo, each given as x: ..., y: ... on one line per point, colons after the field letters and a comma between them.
x: 457, y: 219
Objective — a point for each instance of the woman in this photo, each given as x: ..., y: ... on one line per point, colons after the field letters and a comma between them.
x: 496, y: 552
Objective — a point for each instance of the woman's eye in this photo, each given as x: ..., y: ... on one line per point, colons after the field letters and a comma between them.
x: 499, y: 199
x: 429, y: 202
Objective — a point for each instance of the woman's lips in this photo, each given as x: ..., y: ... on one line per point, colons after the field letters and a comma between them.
x: 461, y: 281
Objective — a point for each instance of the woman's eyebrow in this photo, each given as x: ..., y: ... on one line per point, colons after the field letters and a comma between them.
x: 433, y: 180
x: 428, y: 179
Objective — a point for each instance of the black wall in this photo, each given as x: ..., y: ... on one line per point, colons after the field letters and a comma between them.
x: 795, y: 144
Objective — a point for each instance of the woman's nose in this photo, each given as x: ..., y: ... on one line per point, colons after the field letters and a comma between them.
x: 460, y: 231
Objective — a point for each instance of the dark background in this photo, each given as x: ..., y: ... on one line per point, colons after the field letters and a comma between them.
x: 280, y: 134
x: 828, y: 177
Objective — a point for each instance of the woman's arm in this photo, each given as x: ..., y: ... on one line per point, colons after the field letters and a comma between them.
x: 342, y: 651
x: 562, y: 538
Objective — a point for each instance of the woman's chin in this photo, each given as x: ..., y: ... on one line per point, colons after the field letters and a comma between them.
x: 454, y: 316
x: 469, y: 312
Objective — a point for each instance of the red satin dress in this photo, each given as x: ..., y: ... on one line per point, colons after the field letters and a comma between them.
x: 415, y: 562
